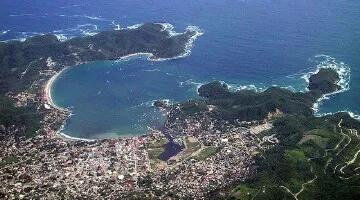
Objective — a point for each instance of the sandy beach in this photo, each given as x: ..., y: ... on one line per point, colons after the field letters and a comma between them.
x: 48, y: 91
x: 50, y: 102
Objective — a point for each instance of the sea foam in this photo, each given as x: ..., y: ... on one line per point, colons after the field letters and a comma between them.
x: 188, y: 46
x: 191, y: 82
x: 134, y: 26
x: 152, y: 102
x: 352, y: 114
x: 61, y: 37
x: 3, y: 32
x: 165, y: 27
x: 328, y: 62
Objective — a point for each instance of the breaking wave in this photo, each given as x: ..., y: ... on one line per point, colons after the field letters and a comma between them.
x: 191, y: 83
x: 151, y: 103
x: 3, y: 32
x: 134, y: 26
x: 166, y: 27
x: 92, y: 29
x: 80, y: 29
x: 61, y: 37
x: 189, y: 45
x: 352, y: 114
x: 328, y: 62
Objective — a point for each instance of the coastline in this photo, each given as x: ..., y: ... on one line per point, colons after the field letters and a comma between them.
x: 67, y: 137
x: 51, y: 103
x: 344, y: 73
x: 47, y: 91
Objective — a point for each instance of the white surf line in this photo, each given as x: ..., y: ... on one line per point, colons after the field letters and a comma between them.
x: 27, y: 68
x: 47, y: 91
x: 117, y: 26
x: 169, y: 28
x: 343, y: 71
x: 75, y: 138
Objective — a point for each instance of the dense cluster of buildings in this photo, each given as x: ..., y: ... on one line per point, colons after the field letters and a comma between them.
x: 49, y: 166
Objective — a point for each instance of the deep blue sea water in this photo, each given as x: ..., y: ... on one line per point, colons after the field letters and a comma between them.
x: 253, y: 43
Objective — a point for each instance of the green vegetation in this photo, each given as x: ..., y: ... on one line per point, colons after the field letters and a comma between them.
x: 159, y: 143
x: 207, y: 152
x: 193, y: 106
x: 192, y: 146
x: 20, y: 63
x: 288, y: 164
x: 214, y: 90
x: 31, y: 55
x: 243, y: 192
x: 10, y: 160
x: 26, y: 118
x: 155, y: 153
x: 312, y: 150
x: 324, y: 81
x: 314, y: 159
x: 248, y: 105
x: 56, y: 126
x: 157, y: 148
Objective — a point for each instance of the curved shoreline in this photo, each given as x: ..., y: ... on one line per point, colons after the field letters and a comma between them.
x: 47, y: 90
x: 51, y: 103
x: 150, y: 56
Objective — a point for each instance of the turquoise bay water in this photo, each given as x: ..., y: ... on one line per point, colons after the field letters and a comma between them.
x: 115, y: 98
x: 246, y: 42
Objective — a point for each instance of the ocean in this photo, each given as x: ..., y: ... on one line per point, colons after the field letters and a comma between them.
x: 250, y: 44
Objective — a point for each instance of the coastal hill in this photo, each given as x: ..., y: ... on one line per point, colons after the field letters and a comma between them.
x: 248, y: 105
x: 228, y: 145
x: 309, y: 156
x: 324, y: 81
x: 22, y: 61
x: 26, y: 67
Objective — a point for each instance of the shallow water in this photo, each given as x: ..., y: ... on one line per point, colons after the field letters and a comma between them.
x: 253, y: 43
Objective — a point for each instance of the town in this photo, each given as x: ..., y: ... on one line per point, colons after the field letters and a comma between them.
x: 49, y: 165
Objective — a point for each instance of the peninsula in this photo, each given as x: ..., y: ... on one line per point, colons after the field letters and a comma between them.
x: 227, y: 145
x: 28, y: 68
